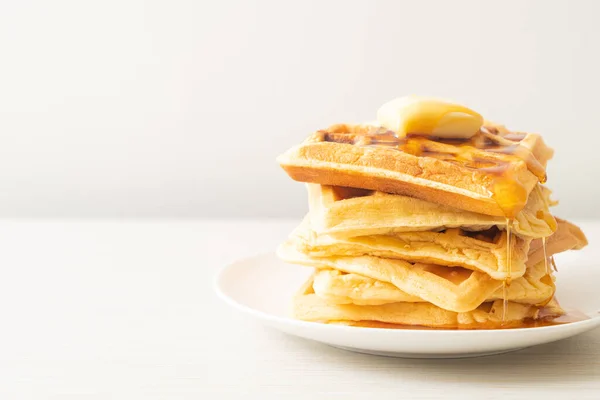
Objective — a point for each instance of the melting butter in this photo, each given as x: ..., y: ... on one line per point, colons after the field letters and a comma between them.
x: 428, y: 116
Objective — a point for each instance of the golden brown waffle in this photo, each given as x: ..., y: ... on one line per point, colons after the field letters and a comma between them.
x: 457, y: 289
x: 309, y: 307
x: 348, y: 212
x: 568, y: 236
x: 482, y: 251
x: 492, y: 173
x: 336, y: 287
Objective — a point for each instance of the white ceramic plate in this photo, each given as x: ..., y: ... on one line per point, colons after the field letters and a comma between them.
x: 262, y: 287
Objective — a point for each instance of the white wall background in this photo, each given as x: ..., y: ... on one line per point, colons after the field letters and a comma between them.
x: 179, y: 108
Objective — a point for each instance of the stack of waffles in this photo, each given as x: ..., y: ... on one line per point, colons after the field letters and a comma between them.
x: 431, y: 217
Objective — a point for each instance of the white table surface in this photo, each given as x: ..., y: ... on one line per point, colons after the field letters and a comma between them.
x: 126, y: 310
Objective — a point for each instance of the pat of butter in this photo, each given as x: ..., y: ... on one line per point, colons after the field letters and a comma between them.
x: 429, y: 116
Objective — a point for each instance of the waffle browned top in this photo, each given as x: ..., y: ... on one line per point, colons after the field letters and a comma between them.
x: 491, y: 150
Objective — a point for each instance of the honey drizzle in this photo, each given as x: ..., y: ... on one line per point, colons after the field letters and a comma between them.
x: 504, y: 300
x: 489, y: 144
x: 488, y: 139
x: 545, y: 256
x: 506, y: 282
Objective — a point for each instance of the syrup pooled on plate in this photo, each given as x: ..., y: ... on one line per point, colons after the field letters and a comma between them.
x: 568, y: 318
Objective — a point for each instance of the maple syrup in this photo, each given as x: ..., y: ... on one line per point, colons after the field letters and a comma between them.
x: 543, y: 320
x: 482, y: 152
x: 489, y: 140
x: 545, y: 255
x: 506, y: 282
x: 509, y: 196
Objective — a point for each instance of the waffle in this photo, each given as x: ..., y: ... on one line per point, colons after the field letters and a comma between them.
x: 568, y: 236
x: 336, y: 287
x: 493, y: 173
x: 457, y: 289
x: 484, y: 251
x: 348, y: 212
x: 310, y: 307
x: 375, y: 281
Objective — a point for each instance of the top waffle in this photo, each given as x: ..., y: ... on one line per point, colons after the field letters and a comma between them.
x: 493, y: 172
